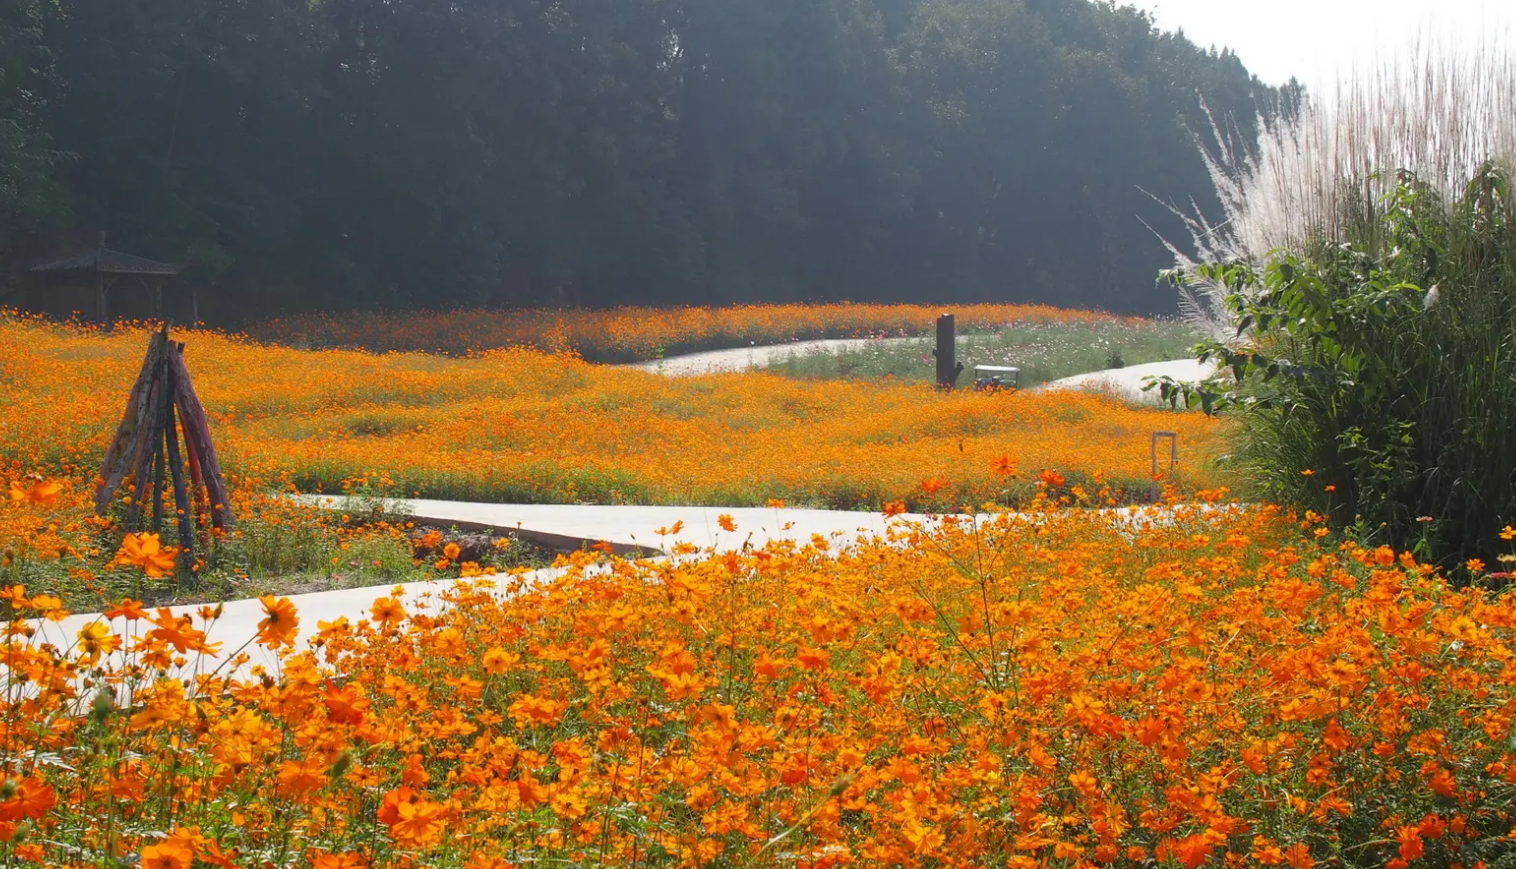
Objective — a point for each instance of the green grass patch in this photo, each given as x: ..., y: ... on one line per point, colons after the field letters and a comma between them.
x: 1043, y: 352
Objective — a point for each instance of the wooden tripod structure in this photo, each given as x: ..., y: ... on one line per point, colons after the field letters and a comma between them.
x: 147, y: 444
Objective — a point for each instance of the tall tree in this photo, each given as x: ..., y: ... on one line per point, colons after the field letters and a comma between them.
x: 30, y: 202
x: 404, y: 153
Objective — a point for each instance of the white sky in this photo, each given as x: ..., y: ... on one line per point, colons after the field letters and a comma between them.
x: 1315, y: 40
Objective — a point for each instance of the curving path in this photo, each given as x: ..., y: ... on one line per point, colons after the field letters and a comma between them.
x: 1128, y: 382
x: 627, y: 528
x: 748, y: 358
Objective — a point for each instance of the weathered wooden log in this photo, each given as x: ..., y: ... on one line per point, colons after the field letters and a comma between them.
x: 149, y: 442
x: 121, y: 456
x: 181, y: 497
x: 197, y: 429
x: 158, y: 492
x: 197, y: 486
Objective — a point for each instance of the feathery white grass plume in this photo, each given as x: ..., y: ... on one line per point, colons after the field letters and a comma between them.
x: 1432, y: 111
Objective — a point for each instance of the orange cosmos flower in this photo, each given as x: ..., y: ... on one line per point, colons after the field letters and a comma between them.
x: 1299, y: 856
x: 1443, y: 784
x: 726, y: 523
x: 1085, y: 783
x: 31, y: 799
x: 414, y: 821
x: 451, y: 552
x: 96, y: 639
x: 280, y: 624
x: 814, y: 659
x: 1409, y: 839
x: 146, y: 552
x: 168, y: 855
x: 894, y: 508
x: 387, y: 611
x: 41, y: 493
x: 497, y: 661
x: 1193, y: 851
x: 1005, y: 466
x: 529, y: 708
x: 128, y: 609
x: 50, y: 606
x: 1052, y: 479
x: 347, y: 860
x: 933, y: 485
x: 177, y: 632
x: 345, y: 705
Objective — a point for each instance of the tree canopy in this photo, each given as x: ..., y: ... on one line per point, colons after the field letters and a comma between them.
x: 299, y: 154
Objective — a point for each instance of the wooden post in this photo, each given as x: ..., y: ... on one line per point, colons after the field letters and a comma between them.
x: 100, y: 312
x: 948, y: 366
x: 130, y: 439
x: 1173, y: 459
x: 158, y: 300
x: 197, y: 433
x: 158, y: 492
x: 181, y: 495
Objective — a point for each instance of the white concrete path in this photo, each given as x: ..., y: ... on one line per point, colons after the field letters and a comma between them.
x: 633, y: 527
x: 237, y: 627
x: 1125, y: 382
x: 748, y: 358
x: 1128, y: 382
x: 627, y: 527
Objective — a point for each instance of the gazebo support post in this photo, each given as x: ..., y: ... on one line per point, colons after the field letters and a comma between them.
x: 100, y: 312
x: 107, y: 266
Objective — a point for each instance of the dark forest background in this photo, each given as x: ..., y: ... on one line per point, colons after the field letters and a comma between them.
x: 335, y: 154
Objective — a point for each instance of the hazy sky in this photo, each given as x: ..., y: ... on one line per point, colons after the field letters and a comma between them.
x: 1314, y: 39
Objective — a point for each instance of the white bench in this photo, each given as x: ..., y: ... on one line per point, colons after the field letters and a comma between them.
x: 986, y: 376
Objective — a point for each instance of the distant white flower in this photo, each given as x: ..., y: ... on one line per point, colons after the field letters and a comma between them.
x: 1434, y: 295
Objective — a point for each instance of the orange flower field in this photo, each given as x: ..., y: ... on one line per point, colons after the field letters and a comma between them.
x: 1215, y: 685
x: 1064, y: 689
x: 633, y: 334
x: 517, y: 425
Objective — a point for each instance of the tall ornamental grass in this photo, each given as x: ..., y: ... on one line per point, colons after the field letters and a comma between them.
x: 1367, y: 272
x: 1435, y: 113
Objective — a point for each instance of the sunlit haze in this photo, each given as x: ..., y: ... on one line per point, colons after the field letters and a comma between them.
x: 1318, y: 40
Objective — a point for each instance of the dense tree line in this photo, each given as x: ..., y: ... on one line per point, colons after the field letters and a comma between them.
x: 394, y: 153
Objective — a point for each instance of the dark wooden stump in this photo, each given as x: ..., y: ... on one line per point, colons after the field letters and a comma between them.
x: 948, y: 366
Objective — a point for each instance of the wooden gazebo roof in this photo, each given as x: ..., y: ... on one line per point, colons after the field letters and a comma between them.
x: 107, y: 266
x: 103, y: 260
